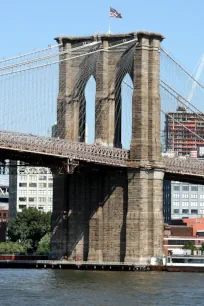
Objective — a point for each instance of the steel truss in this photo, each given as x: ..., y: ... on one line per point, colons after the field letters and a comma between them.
x: 184, y: 166
x: 59, y: 148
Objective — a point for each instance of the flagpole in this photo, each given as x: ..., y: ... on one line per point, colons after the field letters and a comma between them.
x: 109, y: 30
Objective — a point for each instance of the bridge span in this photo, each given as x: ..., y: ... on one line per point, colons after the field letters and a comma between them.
x: 112, y: 209
x: 60, y: 151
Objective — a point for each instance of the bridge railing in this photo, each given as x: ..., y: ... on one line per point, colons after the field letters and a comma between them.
x: 62, y: 148
x: 184, y: 165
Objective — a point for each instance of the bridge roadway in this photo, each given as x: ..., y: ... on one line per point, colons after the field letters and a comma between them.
x: 13, y: 142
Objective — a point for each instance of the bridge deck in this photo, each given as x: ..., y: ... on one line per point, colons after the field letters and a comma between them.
x: 62, y: 148
x: 79, y: 151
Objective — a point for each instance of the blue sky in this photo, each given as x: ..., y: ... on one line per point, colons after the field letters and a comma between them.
x: 27, y: 25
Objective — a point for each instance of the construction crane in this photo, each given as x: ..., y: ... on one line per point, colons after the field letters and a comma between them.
x: 199, y: 67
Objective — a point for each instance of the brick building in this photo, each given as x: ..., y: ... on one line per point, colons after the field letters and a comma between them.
x: 3, y: 222
x: 175, y: 237
x: 178, y: 138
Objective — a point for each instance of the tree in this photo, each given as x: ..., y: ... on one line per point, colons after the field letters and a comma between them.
x: 29, y: 227
x: 202, y: 247
x: 10, y: 247
x: 44, y: 244
x: 189, y: 246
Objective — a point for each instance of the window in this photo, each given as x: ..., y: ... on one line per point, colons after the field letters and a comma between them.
x: 179, y: 242
x: 42, y: 185
x: 22, y: 206
x: 176, y: 188
x: 194, y: 203
x: 194, y: 196
x: 194, y: 211
x: 49, y: 192
x: 201, y: 188
x: 32, y: 199
x: 176, y: 203
x: 42, y: 192
x: 40, y: 207
x: 176, y: 211
x: 176, y: 195
x: 23, y: 177
x: 185, y: 203
x: 22, y: 199
x: 50, y: 178
x: 22, y: 184
x: 50, y: 185
x: 32, y: 185
x: 33, y: 191
x: 185, y: 195
x: 201, y: 211
x: 194, y: 188
x: 32, y: 206
x: 42, y: 199
x: 23, y: 192
x: 32, y: 178
x: 42, y: 177
x: 185, y: 188
x: 201, y: 196
x: 49, y: 199
x: 185, y: 211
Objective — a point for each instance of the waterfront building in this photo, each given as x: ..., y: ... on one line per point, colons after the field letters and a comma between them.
x: 30, y: 187
x: 182, y: 200
x: 167, y: 201
x: 4, y: 190
x: 175, y: 237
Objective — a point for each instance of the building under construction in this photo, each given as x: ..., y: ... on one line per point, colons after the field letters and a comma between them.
x: 179, y: 136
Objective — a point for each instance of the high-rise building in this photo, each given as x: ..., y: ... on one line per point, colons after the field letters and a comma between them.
x: 167, y: 201
x: 183, y: 200
x: 30, y: 187
x: 187, y: 200
x: 179, y: 138
x: 4, y: 190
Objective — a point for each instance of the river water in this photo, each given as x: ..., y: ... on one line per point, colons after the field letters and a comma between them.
x: 20, y: 287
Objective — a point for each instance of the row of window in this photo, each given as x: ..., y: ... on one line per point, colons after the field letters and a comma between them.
x: 31, y: 191
x: 21, y: 206
x: 180, y: 242
x: 188, y: 204
x: 187, y: 188
x: 186, y: 196
x: 187, y: 211
x: 40, y: 185
x: 34, y: 177
x: 24, y: 199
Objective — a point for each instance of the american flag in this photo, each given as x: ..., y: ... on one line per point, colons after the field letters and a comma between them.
x: 114, y: 13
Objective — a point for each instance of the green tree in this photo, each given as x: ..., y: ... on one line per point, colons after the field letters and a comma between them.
x: 202, y: 247
x: 44, y: 244
x: 189, y: 246
x: 10, y: 247
x: 29, y: 227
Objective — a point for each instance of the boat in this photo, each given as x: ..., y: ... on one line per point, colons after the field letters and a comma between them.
x: 185, y: 263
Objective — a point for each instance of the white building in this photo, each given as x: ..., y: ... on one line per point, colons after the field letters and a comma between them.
x: 30, y: 187
x: 187, y: 200
x: 4, y: 191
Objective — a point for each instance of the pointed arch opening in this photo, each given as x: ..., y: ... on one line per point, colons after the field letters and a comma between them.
x: 126, y: 106
x: 90, y: 96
